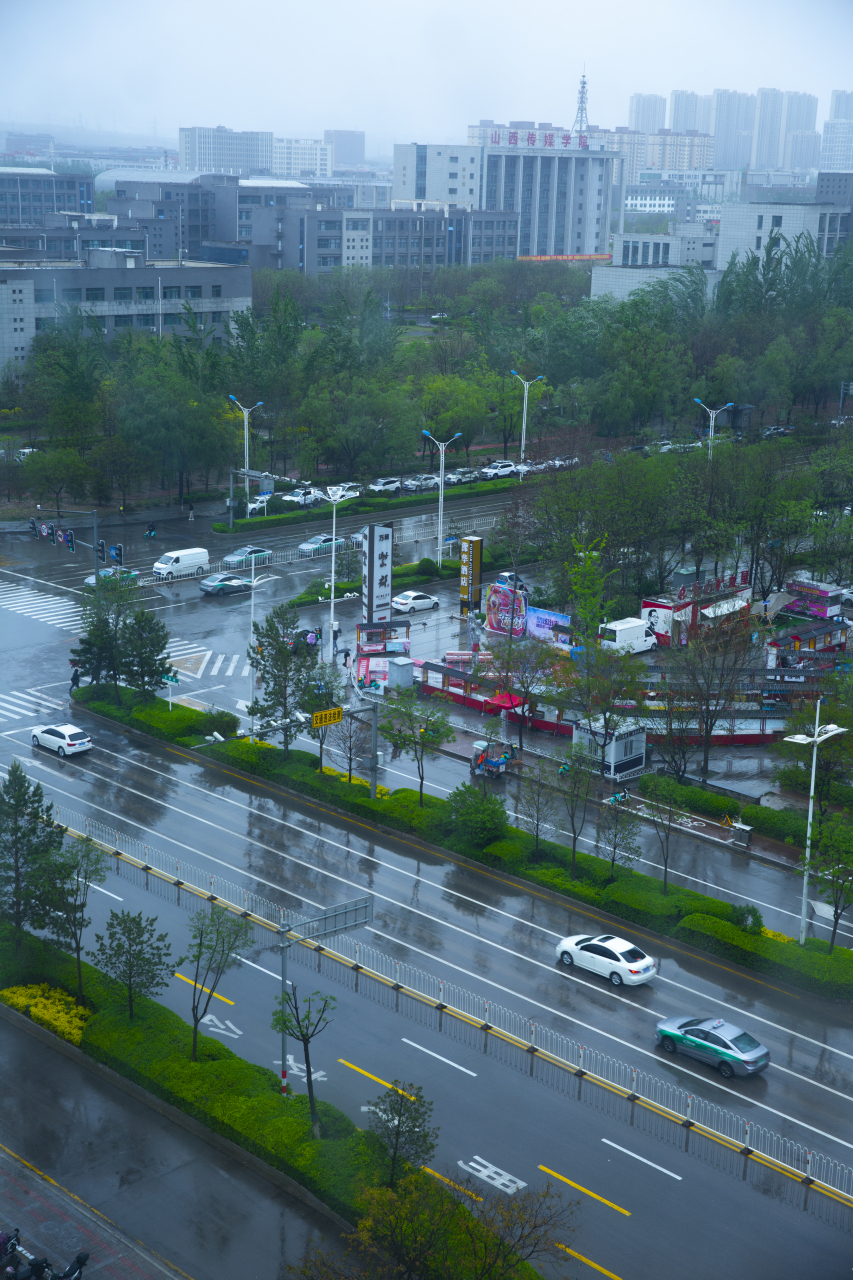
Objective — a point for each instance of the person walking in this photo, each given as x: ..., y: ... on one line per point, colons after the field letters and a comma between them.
x: 192, y: 512
x: 75, y: 680
x: 336, y: 631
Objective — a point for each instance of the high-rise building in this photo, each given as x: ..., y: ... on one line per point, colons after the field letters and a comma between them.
x: 688, y: 110
x: 302, y: 158
x: 802, y: 150
x: 646, y: 112
x: 347, y: 147
x: 799, y: 115
x: 732, y: 126
x: 767, y: 130
x: 841, y: 104
x: 222, y: 150
x: 836, y: 152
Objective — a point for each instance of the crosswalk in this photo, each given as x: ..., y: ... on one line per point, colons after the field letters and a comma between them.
x: 30, y: 706
x: 56, y: 611
x: 193, y: 658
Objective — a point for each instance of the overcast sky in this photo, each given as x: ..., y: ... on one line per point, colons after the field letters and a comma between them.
x: 401, y: 71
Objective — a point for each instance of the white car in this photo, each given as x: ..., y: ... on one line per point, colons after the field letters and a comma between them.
x: 308, y: 497
x: 614, y: 958
x: 64, y: 739
x: 386, y: 484
x: 499, y: 470
x: 320, y: 545
x: 414, y: 601
x: 418, y: 484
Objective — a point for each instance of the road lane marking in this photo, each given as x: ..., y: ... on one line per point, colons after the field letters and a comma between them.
x: 214, y: 670
x: 215, y: 994
x: 493, y: 1175
x: 387, y: 1083
x: 456, y: 1186
x: 438, y: 1055
x: 277, y: 976
x: 586, y: 1191
x: 107, y: 892
x: 232, y: 664
x: 611, y: 1275
x: 651, y: 1163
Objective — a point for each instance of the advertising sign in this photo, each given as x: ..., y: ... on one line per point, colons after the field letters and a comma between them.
x: 376, y: 573
x: 658, y: 620
x: 553, y: 628
x: 470, y: 572
x: 334, y: 715
x: 502, y: 605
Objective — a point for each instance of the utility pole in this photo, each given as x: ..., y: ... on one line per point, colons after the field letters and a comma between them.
x: 527, y: 386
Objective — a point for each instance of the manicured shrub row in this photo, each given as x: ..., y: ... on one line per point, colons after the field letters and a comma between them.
x: 794, y: 779
x: 809, y: 967
x: 695, y: 799
x: 183, y: 725
x: 787, y: 825
x: 50, y: 1007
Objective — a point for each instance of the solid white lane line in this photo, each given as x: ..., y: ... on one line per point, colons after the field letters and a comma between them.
x: 438, y: 1055
x: 107, y: 892
x: 277, y: 976
x: 650, y: 1163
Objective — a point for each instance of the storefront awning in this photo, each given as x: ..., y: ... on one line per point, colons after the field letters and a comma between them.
x: 723, y: 607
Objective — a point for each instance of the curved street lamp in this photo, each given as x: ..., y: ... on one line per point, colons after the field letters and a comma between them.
x: 713, y: 415
x: 245, y: 412
x: 441, y: 448
x: 527, y: 386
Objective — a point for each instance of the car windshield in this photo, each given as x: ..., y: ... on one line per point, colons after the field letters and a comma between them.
x: 633, y: 954
x: 81, y: 737
x: 166, y: 559
x: 745, y: 1042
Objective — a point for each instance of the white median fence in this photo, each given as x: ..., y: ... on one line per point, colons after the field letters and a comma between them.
x: 349, y: 960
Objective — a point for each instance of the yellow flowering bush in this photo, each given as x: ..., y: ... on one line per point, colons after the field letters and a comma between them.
x: 780, y: 937
x: 49, y: 1007
x: 382, y: 793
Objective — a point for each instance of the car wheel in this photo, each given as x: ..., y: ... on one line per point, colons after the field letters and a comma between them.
x: 566, y: 959
x: 60, y: 751
x: 221, y: 591
x: 199, y: 571
x: 668, y: 1044
x: 616, y: 979
x: 35, y: 740
x: 169, y: 577
x: 412, y: 610
x: 726, y: 1070
x: 435, y: 604
x: 653, y: 647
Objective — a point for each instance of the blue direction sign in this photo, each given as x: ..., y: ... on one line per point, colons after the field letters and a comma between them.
x: 113, y: 552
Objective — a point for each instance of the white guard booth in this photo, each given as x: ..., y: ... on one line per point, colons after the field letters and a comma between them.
x: 624, y: 754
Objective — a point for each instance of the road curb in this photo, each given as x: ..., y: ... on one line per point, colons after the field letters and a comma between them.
x: 165, y: 1109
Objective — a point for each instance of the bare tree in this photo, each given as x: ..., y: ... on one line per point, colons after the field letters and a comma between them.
x: 303, y: 1022
x: 617, y: 835
x: 351, y: 737
x: 662, y: 808
x: 708, y: 672
x: 673, y: 727
x: 537, y: 799
x: 526, y: 667
x: 574, y: 784
x: 217, y: 936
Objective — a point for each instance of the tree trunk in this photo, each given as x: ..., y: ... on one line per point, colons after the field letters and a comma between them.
x: 315, y: 1119
x: 130, y: 1000
x: 835, y: 921
x: 78, y: 947
x: 195, y: 1039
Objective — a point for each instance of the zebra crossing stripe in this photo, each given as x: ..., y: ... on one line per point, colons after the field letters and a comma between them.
x: 232, y: 664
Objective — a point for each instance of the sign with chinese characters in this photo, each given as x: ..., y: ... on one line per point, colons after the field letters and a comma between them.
x: 471, y: 560
x: 566, y: 257
x: 505, y: 608
x: 377, y: 543
x: 334, y: 715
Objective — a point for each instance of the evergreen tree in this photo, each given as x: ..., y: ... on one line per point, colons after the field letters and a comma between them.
x: 30, y: 843
x: 143, y: 662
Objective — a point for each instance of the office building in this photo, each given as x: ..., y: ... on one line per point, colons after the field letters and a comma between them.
x: 302, y: 158
x: 446, y: 173
x: 834, y: 188
x: 646, y: 112
x: 767, y: 130
x: 841, y: 104
x: 27, y: 195
x: 688, y: 110
x: 799, y: 115
x: 347, y: 147
x: 802, y: 151
x: 672, y: 199
x: 747, y: 227
x: 836, y: 150
x: 222, y: 150
x: 733, y: 122
x: 116, y: 291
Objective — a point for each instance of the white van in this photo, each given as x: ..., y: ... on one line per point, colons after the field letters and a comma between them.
x: 630, y: 635
x: 177, y: 564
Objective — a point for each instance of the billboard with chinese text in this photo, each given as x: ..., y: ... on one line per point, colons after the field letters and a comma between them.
x: 377, y: 543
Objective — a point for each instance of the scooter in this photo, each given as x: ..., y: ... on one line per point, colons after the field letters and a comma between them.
x: 150, y: 532
x: 40, y: 1269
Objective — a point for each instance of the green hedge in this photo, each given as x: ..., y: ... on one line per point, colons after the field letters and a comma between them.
x: 809, y: 967
x: 787, y: 825
x: 795, y: 779
x: 183, y: 725
x: 696, y: 799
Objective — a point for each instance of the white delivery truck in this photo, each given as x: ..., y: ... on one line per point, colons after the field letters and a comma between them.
x: 181, y: 564
x: 630, y: 635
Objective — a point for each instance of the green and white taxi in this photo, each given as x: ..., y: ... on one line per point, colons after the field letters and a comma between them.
x: 733, y: 1051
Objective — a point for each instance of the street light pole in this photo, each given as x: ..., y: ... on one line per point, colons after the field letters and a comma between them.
x: 441, y: 449
x: 245, y: 412
x: 527, y: 386
x: 712, y: 413
x: 820, y: 735
x: 335, y: 492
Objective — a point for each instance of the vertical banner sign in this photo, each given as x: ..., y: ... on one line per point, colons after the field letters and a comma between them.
x: 376, y: 573
x: 471, y: 557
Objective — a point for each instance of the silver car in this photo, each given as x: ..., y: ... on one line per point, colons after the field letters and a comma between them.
x: 733, y: 1051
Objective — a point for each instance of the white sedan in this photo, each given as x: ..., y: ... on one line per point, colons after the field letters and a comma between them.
x: 64, y: 739
x: 414, y: 601
x: 613, y: 958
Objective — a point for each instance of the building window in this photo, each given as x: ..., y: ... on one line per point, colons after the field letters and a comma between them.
x: 123, y: 322
x: 776, y: 220
x: 94, y: 295
x: 172, y: 317
x: 656, y: 254
x: 43, y: 323
x: 145, y: 295
x: 123, y: 295
x: 635, y: 252
x: 358, y: 224
x: 192, y: 291
x: 325, y: 225
x: 665, y: 255
x: 216, y: 291
x: 758, y: 242
x: 244, y: 233
x: 645, y: 253
x: 43, y: 295
x: 172, y: 291
x: 626, y: 252
x: 146, y: 321
x: 452, y: 191
x: 71, y: 295
x: 328, y: 242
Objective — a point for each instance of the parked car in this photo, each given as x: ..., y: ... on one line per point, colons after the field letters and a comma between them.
x: 320, y: 545
x: 524, y: 468
x: 305, y: 497
x: 225, y: 584
x: 122, y: 575
x: 386, y: 484
x: 64, y: 739
x: 627, y: 635
x: 511, y: 580
x: 614, y: 958
x: 498, y: 470
x: 178, y: 564
x: 414, y: 602
x: 351, y: 489
x: 462, y: 475
x: 733, y: 1051
x: 246, y: 555
x: 258, y: 506
x: 356, y: 539
x: 420, y: 484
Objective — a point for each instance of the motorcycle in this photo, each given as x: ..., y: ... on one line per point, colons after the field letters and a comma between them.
x: 150, y: 532
x: 41, y: 1269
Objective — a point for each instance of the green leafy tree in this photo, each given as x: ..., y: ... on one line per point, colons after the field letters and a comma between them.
x: 479, y: 815
x: 134, y: 955
x: 618, y: 836
x: 143, y: 663
x: 80, y: 865
x: 216, y: 937
x: 303, y: 1021
x: 50, y: 474
x: 105, y: 608
x: 416, y: 727
x: 30, y: 844
x: 401, y: 1118
x: 832, y: 866
x: 320, y: 688
x: 282, y: 662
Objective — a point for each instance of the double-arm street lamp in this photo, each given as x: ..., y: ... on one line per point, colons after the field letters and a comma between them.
x: 336, y: 493
x: 245, y: 412
x: 441, y: 448
x: 822, y: 733
x: 527, y: 386
x: 712, y: 413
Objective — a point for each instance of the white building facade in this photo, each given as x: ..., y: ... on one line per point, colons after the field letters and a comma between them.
x: 302, y: 158
x: 222, y: 150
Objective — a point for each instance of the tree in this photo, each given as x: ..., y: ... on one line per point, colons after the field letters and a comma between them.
x: 832, y: 866
x: 573, y: 781
x: 105, y: 606
x: 30, y: 844
x: 536, y: 799
x: 416, y: 727
x: 320, y: 688
x: 617, y: 835
x: 303, y: 1022
x: 281, y: 660
x: 50, y: 474
x: 662, y: 807
x: 400, y: 1118
x: 835, y: 755
x: 80, y: 865
x: 216, y: 937
x: 351, y: 738
x: 526, y: 667
x: 143, y: 662
x: 602, y: 687
x: 673, y: 725
x: 707, y: 673
x: 134, y: 955
x: 479, y: 815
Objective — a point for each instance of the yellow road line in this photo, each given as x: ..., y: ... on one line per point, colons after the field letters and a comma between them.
x: 215, y: 994
x: 586, y: 1191
x: 386, y: 1083
x: 450, y: 1183
x: 588, y: 1262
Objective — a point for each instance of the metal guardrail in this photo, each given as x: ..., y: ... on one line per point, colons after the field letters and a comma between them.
x: 493, y: 1020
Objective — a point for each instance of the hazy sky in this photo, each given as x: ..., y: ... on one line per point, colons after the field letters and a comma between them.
x: 401, y: 71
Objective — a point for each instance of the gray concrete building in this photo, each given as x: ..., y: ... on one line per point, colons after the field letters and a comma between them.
x: 222, y: 150
x: 347, y: 147
x: 27, y: 195
x: 733, y: 123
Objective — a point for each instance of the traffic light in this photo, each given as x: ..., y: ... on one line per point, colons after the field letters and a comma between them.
x: 119, y: 555
x: 102, y: 550
x: 69, y: 540
x: 51, y: 533
x: 34, y: 529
